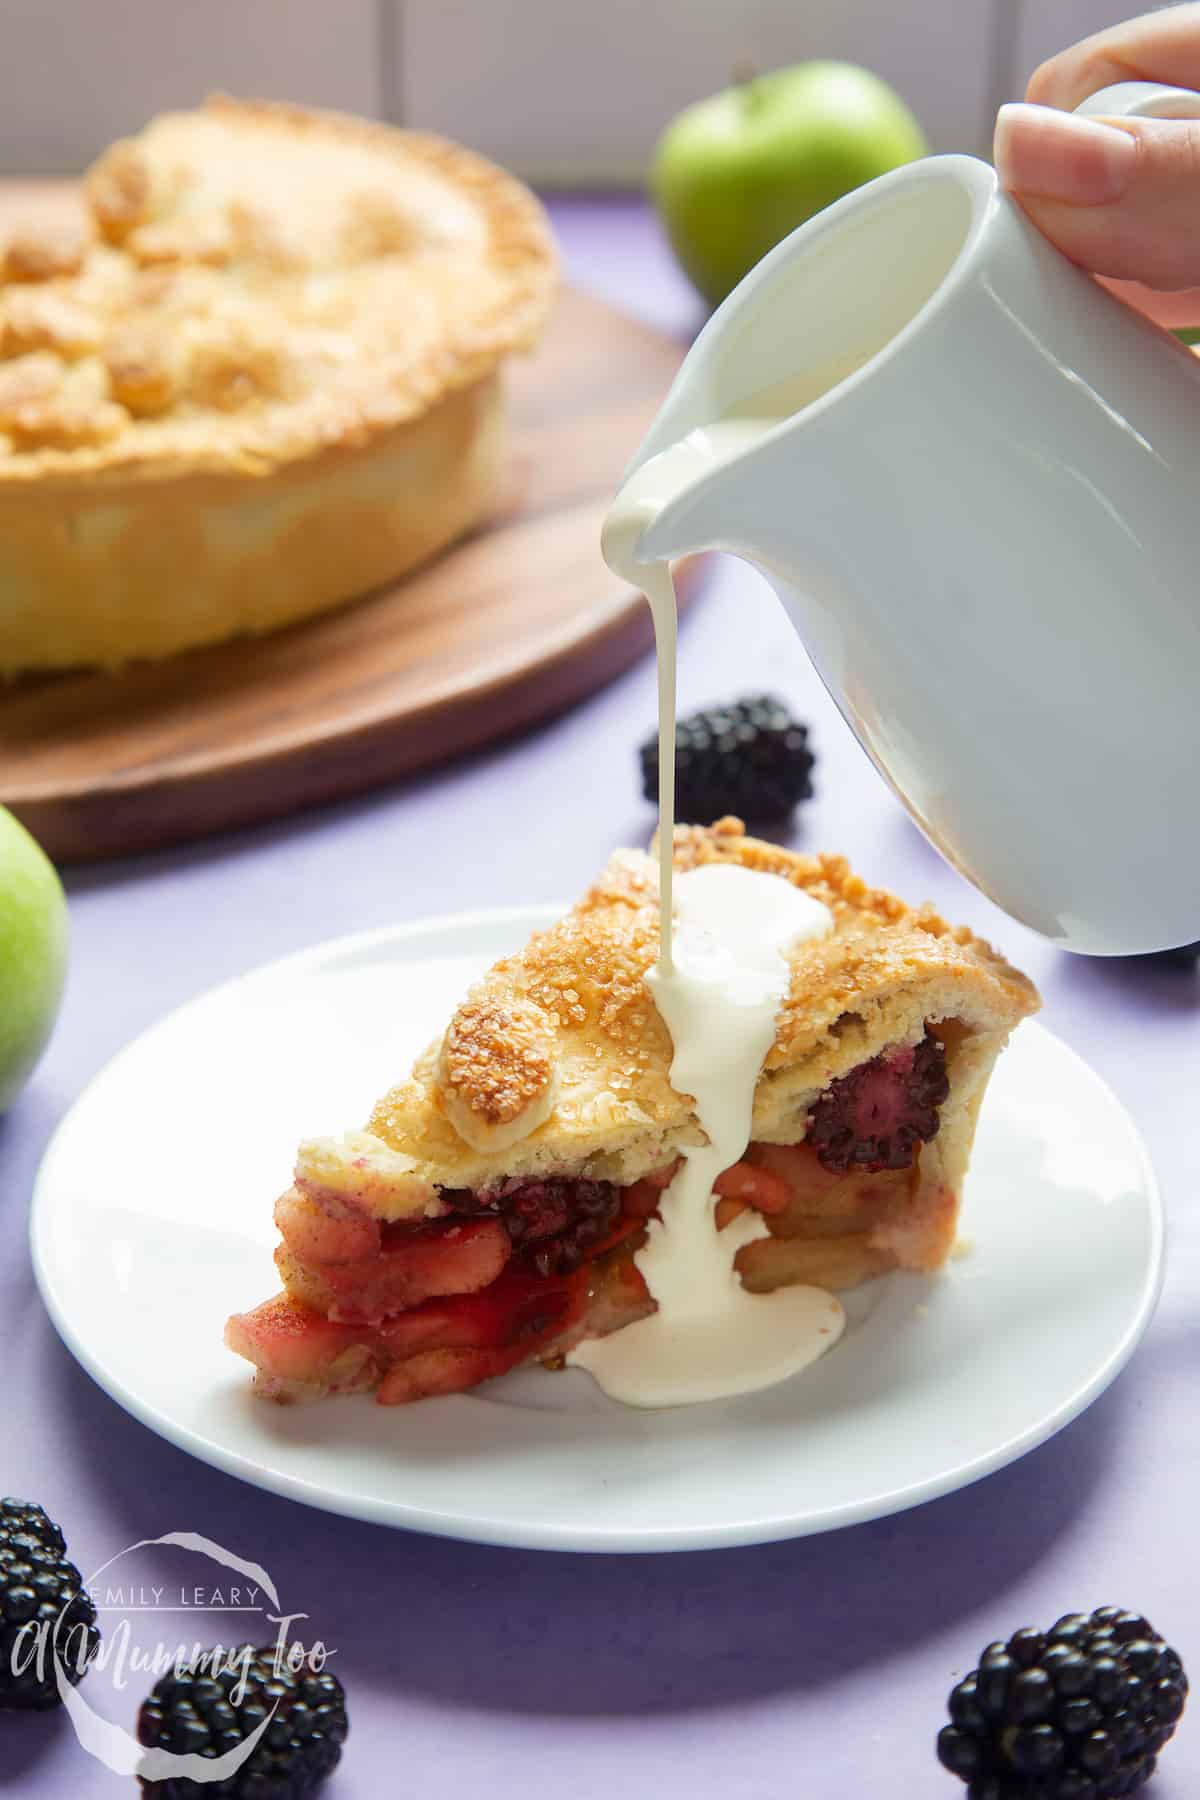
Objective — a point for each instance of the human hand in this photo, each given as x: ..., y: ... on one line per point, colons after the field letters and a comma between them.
x: 1121, y: 198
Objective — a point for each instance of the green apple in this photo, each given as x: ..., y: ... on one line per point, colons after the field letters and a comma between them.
x: 734, y: 174
x: 33, y: 954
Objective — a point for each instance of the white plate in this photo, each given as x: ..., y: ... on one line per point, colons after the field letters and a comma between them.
x: 152, y: 1222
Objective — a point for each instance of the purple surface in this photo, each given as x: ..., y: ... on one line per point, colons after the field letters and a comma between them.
x: 818, y: 1667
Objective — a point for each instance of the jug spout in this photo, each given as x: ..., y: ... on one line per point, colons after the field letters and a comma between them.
x: 697, y: 495
x: 824, y: 303
x: 791, y: 341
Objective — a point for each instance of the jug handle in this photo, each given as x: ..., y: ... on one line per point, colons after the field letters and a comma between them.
x: 1141, y: 100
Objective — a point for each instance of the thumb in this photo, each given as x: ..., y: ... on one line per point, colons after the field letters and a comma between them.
x: 1122, y: 197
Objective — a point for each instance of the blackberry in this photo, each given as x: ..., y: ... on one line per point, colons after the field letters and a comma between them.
x: 597, y: 1214
x: 876, y: 1116
x: 556, y: 1221
x: 533, y: 1209
x: 750, y: 758
x: 46, y: 1614
x: 1079, y: 1712
x: 192, y: 1711
x: 24, y: 1518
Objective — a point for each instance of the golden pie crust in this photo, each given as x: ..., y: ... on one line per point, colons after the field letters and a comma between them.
x: 258, y: 375
x: 558, y: 1062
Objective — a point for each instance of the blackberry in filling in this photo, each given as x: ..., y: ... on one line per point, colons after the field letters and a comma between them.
x: 555, y: 1223
x: 878, y: 1115
x: 871, y: 1121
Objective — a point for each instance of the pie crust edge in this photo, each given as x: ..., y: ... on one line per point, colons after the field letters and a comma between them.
x: 886, y: 971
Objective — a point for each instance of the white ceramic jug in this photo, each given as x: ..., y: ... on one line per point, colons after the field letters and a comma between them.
x: 987, y: 534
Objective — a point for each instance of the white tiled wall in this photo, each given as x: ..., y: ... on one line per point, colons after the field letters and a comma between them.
x: 595, y: 80
x: 563, y: 90
x: 74, y: 74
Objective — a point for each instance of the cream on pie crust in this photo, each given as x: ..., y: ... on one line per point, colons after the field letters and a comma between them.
x: 490, y: 1213
x: 257, y: 376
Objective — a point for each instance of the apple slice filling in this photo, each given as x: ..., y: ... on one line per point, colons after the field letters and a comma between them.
x: 527, y: 1268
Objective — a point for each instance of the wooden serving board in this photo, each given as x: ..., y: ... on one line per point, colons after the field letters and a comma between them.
x: 518, y: 622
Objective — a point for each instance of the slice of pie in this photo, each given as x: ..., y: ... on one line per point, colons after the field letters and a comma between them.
x: 491, y: 1213
x: 253, y: 370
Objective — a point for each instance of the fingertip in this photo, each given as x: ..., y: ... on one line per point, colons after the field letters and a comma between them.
x: 1009, y: 121
x: 1059, y: 156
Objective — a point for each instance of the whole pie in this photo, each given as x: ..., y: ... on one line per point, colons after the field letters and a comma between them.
x: 491, y: 1213
x: 255, y: 374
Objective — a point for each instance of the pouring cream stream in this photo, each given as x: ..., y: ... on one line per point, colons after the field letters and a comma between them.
x: 721, y: 977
